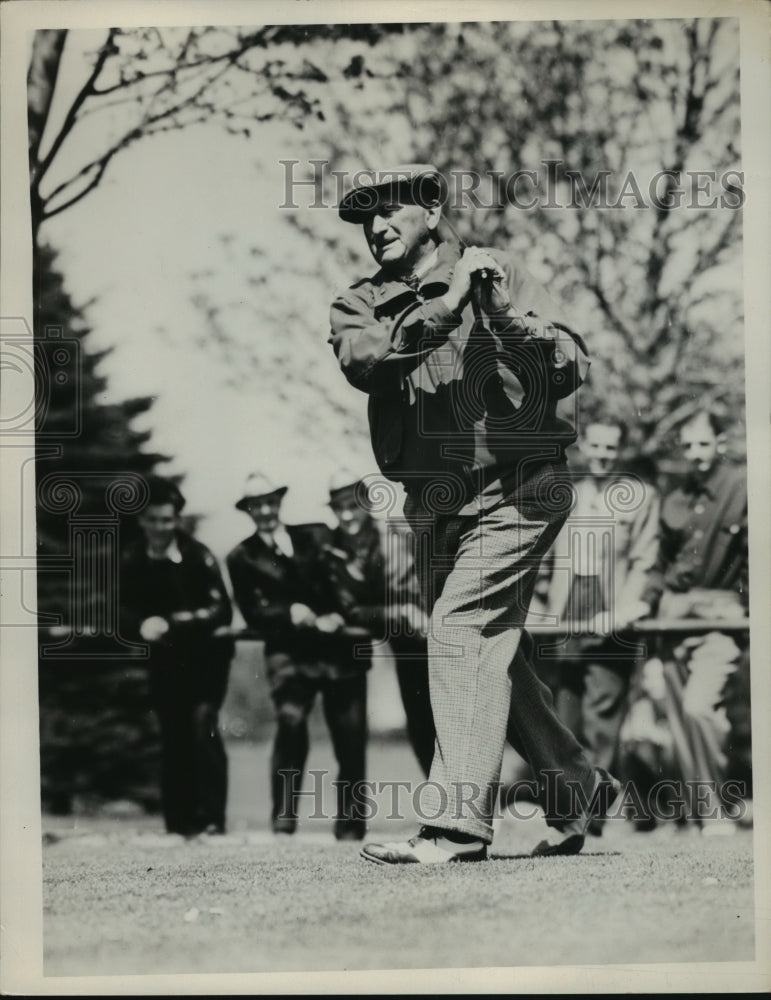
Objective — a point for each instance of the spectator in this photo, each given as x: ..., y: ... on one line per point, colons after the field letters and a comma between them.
x: 281, y: 585
x: 173, y: 598
x: 601, y: 561
x: 701, y: 572
x: 703, y: 556
x: 373, y: 567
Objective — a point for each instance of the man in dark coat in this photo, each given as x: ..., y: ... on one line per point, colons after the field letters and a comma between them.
x: 372, y: 566
x: 173, y: 598
x: 280, y: 583
x: 465, y: 358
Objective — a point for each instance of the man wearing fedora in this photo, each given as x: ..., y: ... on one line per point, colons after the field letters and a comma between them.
x: 281, y: 586
x: 464, y: 358
x: 173, y: 598
x: 372, y: 567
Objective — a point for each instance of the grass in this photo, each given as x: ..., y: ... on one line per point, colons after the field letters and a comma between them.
x: 119, y: 898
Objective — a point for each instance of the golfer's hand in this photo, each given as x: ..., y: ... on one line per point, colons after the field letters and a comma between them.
x: 490, y: 287
x: 153, y: 629
x: 467, y: 279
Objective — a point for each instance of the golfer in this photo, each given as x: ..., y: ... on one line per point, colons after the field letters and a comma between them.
x: 464, y: 358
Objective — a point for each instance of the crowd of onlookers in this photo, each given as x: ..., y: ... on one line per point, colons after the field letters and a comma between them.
x: 638, y: 623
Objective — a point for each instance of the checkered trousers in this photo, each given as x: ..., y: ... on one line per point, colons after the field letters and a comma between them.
x: 478, y: 574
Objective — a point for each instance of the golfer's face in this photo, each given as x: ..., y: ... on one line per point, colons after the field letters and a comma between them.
x: 600, y: 445
x: 159, y: 522
x: 264, y: 513
x: 397, y: 234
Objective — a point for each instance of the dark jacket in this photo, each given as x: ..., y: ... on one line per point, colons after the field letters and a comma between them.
x: 446, y: 395
x: 704, y: 536
x: 266, y: 583
x: 373, y: 578
x: 190, y: 595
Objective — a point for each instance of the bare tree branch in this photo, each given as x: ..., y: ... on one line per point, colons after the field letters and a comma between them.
x: 69, y: 121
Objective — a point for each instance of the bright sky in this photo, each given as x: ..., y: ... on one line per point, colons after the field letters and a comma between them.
x: 137, y: 243
x: 134, y: 244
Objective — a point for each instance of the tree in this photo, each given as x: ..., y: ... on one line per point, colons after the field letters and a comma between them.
x: 144, y: 81
x: 141, y: 82
x: 84, y: 448
x: 95, y: 733
x: 631, y: 106
x: 97, y: 738
x: 657, y: 282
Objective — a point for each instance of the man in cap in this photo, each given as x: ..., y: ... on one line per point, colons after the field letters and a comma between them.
x: 281, y: 587
x: 173, y: 598
x: 465, y: 358
x: 372, y: 566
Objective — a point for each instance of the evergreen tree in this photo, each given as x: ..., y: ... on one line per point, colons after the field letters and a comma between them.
x: 85, y: 446
x: 97, y: 735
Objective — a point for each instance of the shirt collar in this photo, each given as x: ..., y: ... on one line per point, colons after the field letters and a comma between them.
x: 437, y: 269
x: 172, y: 553
x: 708, y: 486
x: 426, y: 265
x: 280, y: 540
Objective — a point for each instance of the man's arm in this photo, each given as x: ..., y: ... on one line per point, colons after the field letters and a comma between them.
x: 215, y: 610
x: 665, y: 564
x: 375, y: 354
x: 521, y: 311
x: 129, y: 596
x: 631, y: 602
x: 259, y: 611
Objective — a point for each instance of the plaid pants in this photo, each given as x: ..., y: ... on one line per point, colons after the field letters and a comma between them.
x: 477, y: 574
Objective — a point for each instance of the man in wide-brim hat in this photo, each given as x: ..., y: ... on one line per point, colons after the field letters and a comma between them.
x: 465, y: 358
x: 259, y: 487
x: 282, y: 589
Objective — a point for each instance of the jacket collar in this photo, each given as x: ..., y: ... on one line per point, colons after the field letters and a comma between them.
x: 172, y: 553
x: 711, y: 485
x: 434, y: 282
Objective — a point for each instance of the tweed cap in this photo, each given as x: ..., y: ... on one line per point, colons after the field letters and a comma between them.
x: 413, y: 183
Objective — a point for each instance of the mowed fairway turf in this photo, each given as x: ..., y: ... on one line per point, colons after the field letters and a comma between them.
x: 122, y: 899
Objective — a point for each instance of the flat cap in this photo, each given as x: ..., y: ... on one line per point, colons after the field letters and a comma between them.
x: 413, y: 183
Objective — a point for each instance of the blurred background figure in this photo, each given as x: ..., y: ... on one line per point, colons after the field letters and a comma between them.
x: 372, y: 564
x: 600, y: 563
x: 698, y: 687
x: 703, y: 557
x: 282, y: 587
x: 173, y: 598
